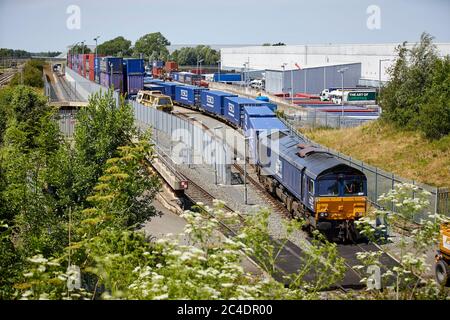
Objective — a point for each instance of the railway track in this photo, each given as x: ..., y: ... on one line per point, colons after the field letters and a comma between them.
x: 293, y: 254
x: 5, y: 78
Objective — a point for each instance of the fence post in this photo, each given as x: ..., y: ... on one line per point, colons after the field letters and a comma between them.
x: 376, y: 185
x: 392, y: 187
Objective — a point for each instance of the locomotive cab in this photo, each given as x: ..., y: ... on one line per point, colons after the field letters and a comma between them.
x: 340, y: 197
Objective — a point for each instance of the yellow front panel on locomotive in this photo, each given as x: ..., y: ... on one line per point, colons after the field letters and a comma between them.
x: 340, y: 208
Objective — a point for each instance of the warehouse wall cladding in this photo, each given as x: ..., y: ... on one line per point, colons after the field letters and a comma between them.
x: 371, y: 56
x: 312, y: 79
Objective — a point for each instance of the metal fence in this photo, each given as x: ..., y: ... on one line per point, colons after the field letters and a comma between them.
x: 67, y: 122
x: 313, y: 118
x: 302, y: 117
x: 186, y: 143
x: 379, y: 181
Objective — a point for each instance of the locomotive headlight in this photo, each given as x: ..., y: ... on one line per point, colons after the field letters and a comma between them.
x: 323, y: 214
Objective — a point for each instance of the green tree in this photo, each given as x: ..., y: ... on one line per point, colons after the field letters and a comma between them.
x: 102, y: 127
x: 115, y: 47
x: 31, y: 75
x: 416, y: 97
x: 153, y: 46
x: 434, y: 115
x: 190, y: 56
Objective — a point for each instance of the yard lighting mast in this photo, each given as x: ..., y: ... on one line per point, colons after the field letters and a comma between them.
x: 95, y: 39
x: 215, y: 155
x: 342, y: 71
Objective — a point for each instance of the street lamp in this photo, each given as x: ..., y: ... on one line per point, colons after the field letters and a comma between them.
x: 245, y: 169
x: 111, y: 77
x: 342, y: 71
x: 215, y: 154
x: 191, y: 161
x: 95, y: 39
x: 82, y: 46
x: 218, y: 71
x: 379, y: 73
x: 283, y: 66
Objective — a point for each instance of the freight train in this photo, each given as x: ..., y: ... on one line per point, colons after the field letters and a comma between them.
x: 312, y: 183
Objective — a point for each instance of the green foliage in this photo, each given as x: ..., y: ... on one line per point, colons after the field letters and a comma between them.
x: 31, y: 74
x: 409, y: 279
x: 80, y: 49
x: 417, y: 96
x: 102, y: 127
x: 10, y: 53
x: 152, y: 46
x: 115, y: 47
x: 10, y: 263
x: 190, y: 56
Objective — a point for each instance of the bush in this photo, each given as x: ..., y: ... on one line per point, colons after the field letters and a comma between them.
x: 416, y: 97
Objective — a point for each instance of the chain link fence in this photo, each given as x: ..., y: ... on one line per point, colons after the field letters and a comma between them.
x: 380, y: 181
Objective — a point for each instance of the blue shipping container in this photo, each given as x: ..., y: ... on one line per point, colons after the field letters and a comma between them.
x: 259, y: 125
x: 97, y: 64
x: 153, y: 87
x: 233, y: 108
x: 134, y: 83
x: 107, y: 62
x: 212, y: 101
x: 133, y: 65
x: 271, y: 106
x: 256, y: 112
x: 169, y: 88
x: 188, y: 95
x: 227, y: 77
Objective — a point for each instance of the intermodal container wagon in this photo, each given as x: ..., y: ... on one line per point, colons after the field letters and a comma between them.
x: 212, y: 100
x: 233, y: 108
x: 188, y: 95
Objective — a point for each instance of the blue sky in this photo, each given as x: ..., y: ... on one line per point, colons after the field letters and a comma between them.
x: 40, y: 25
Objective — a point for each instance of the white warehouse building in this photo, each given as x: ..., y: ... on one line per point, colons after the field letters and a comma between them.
x: 371, y: 57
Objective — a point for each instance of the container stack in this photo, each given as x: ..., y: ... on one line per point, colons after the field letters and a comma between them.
x: 171, y: 66
x: 133, y: 75
x: 111, y: 73
x: 157, y: 68
x: 84, y: 62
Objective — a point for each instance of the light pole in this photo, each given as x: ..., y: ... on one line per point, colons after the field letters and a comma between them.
x: 82, y: 46
x: 95, y: 39
x: 245, y: 169
x: 292, y: 86
x: 218, y: 71
x: 342, y: 71
x: 111, y: 76
x: 379, y: 73
x: 192, y: 119
x: 283, y: 66
x: 245, y: 77
x: 215, y: 155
